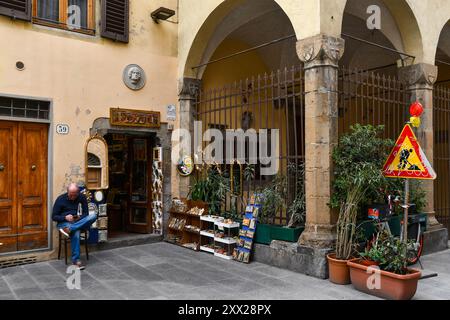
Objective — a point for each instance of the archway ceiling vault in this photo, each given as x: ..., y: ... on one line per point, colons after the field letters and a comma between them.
x: 253, y: 25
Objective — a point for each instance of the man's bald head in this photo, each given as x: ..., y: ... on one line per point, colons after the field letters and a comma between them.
x: 73, y: 191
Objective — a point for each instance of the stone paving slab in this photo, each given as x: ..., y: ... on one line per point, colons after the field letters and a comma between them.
x: 163, y: 271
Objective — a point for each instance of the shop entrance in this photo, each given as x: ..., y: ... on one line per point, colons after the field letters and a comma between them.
x: 23, y: 186
x: 130, y: 171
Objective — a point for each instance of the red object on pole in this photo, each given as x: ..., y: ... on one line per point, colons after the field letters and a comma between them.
x: 416, y: 109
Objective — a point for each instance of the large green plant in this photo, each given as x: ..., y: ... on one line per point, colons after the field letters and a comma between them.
x: 273, y: 198
x: 297, y: 209
x: 211, y: 189
x: 358, y: 181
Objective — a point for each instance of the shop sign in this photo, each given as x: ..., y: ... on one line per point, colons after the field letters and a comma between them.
x: 407, y: 159
x: 171, y: 113
x: 62, y: 129
x: 135, y: 118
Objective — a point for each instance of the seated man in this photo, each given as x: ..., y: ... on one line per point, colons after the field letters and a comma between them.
x: 72, y: 214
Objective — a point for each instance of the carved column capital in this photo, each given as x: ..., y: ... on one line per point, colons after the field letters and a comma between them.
x: 419, y: 75
x: 320, y: 50
x: 188, y: 88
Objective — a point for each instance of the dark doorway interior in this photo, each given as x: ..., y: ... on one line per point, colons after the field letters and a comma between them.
x: 129, y: 196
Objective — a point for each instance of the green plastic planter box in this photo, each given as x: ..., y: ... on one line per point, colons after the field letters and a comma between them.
x: 265, y: 233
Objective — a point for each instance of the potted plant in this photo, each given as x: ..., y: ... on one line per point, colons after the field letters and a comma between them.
x: 274, y: 199
x: 211, y: 189
x: 389, y: 278
x: 358, y: 161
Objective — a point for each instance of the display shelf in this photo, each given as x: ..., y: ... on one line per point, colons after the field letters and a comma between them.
x: 209, y: 218
x: 223, y: 256
x: 189, y: 236
x: 228, y: 225
x: 225, y: 240
x: 207, y: 234
x: 206, y: 249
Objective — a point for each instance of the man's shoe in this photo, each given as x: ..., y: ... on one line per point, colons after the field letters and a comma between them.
x: 65, y: 231
x: 79, y: 265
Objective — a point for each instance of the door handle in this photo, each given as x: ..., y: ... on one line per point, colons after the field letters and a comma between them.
x: 2, y: 167
x: 33, y: 167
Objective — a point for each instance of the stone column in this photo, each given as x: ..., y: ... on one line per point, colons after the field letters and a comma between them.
x: 419, y: 79
x: 320, y: 55
x: 188, y: 89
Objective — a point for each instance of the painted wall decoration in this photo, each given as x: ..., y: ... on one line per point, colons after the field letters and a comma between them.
x: 157, y: 190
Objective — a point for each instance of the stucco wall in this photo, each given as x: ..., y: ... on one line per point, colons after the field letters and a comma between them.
x: 83, y: 75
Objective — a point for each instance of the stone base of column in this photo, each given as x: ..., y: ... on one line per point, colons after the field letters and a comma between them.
x: 435, y: 240
x: 318, y: 236
x: 287, y: 255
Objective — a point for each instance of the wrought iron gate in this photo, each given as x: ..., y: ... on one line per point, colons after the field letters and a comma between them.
x: 371, y: 98
x: 269, y: 101
x: 441, y: 119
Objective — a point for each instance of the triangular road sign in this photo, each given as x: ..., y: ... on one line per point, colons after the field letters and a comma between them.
x: 407, y: 159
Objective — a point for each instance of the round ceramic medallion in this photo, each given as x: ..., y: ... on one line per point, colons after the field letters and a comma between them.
x: 99, y: 196
x: 185, y: 166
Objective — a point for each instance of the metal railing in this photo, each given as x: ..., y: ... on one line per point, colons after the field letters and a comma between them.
x: 371, y: 98
x: 441, y: 124
x: 272, y: 100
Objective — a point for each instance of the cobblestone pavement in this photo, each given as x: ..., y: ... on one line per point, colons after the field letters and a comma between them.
x: 165, y: 271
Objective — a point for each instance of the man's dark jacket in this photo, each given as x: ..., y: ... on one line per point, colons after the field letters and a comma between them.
x: 63, y: 207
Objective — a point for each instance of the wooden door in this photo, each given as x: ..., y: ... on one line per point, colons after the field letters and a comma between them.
x: 8, y: 186
x: 139, y: 217
x: 23, y: 186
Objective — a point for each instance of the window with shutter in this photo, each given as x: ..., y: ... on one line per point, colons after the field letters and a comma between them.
x: 115, y: 19
x: 71, y: 15
x: 18, y: 9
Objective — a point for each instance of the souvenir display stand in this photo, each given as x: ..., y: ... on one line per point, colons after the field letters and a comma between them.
x: 184, y: 223
x: 247, y: 233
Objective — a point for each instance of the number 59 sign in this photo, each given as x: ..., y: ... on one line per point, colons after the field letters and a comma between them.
x: 62, y: 129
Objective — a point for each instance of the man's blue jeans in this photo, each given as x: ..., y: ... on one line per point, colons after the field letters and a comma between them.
x: 75, y: 228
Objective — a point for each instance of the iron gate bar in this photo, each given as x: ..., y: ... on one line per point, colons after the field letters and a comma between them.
x: 378, y: 45
x: 441, y: 116
x: 246, y: 51
x: 442, y: 62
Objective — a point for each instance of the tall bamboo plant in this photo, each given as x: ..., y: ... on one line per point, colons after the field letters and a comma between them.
x: 358, y: 161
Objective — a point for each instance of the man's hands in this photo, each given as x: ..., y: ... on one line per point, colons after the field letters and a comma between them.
x: 69, y: 218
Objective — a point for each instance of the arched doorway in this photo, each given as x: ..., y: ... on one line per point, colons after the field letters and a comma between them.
x: 250, y: 85
x: 370, y: 91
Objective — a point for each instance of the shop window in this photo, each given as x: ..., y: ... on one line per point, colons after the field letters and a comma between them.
x: 96, y: 160
x: 73, y: 15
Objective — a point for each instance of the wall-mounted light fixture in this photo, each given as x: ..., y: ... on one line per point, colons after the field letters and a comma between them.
x: 162, y: 14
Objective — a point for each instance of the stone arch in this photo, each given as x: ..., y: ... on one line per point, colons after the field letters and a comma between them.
x: 407, y: 24
x: 207, y: 38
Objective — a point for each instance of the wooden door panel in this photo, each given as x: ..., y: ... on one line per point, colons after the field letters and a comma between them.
x: 139, y: 215
x: 32, y: 186
x: 8, y: 181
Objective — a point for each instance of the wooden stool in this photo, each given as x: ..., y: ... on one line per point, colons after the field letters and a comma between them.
x: 83, y: 237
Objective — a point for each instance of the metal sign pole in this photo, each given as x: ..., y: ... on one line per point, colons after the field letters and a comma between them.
x: 405, y: 218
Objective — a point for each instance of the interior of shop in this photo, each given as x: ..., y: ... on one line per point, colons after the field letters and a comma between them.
x: 129, y: 196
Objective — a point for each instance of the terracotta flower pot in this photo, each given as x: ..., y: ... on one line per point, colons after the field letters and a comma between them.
x: 339, y: 272
x: 368, y: 263
x: 390, y: 285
